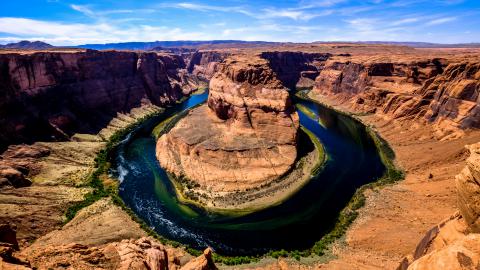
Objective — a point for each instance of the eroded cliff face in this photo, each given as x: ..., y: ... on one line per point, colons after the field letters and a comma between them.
x: 455, y: 242
x: 455, y: 96
x: 51, y: 95
x: 245, y: 138
x: 204, y: 64
x: 435, y: 90
x: 296, y: 69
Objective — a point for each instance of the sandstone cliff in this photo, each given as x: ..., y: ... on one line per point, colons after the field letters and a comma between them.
x: 296, y: 69
x: 244, y: 139
x: 431, y: 88
x: 455, y: 242
x: 204, y: 64
x: 51, y: 95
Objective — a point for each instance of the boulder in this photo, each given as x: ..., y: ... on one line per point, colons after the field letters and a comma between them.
x: 461, y: 255
x: 14, y: 177
x: 203, y: 262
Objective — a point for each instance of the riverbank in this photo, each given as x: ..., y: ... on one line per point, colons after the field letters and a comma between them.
x: 337, y: 231
x: 120, y: 225
x: 248, y: 200
x: 256, y: 199
x: 395, y: 217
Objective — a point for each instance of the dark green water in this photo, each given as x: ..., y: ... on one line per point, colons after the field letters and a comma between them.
x: 295, y: 224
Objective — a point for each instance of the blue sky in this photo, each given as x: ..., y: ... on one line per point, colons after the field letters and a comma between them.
x: 71, y: 22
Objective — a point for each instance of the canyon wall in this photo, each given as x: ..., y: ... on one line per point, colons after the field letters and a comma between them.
x: 443, y: 92
x: 455, y: 242
x: 51, y: 95
x: 296, y: 69
x: 203, y: 64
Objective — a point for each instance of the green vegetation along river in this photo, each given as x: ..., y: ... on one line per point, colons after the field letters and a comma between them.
x: 295, y: 224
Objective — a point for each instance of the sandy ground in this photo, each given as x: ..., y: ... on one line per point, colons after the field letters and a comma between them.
x: 396, y: 217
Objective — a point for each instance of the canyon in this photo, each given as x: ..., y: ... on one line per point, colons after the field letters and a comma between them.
x: 59, y: 108
x: 245, y: 137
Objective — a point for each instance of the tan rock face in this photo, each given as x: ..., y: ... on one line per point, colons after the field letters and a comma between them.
x: 204, y: 64
x: 132, y: 254
x: 433, y: 89
x: 455, y: 243
x: 463, y: 254
x: 246, y: 136
x: 456, y: 96
x: 468, y: 189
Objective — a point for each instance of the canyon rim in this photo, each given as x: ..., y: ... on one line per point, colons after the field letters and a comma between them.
x: 118, y: 152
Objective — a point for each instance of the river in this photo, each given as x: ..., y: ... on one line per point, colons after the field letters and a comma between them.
x: 297, y: 223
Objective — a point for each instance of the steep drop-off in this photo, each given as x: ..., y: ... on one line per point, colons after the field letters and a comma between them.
x: 244, y: 139
x: 433, y: 89
x: 51, y: 95
x: 455, y: 242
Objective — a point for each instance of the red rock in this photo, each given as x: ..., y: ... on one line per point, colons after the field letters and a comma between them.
x: 51, y: 95
x: 244, y: 139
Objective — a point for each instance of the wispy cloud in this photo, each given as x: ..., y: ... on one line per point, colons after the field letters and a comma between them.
x: 83, y: 9
x: 76, y: 33
x: 261, y: 14
x: 307, y: 4
x: 87, y: 10
x: 404, y: 21
x: 441, y: 21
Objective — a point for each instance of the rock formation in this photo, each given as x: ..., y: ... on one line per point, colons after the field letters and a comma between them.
x: 51, y: 95
x: 129, y: 254
x: 296, y: 69
x: 244, y: 139
x: 204, y: 64
x: 433, y: 89
x: 455, y: 243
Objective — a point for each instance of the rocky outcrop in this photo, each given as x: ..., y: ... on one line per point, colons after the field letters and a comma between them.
x: 8, y: 247
x: 246, y: 137
x: 296, y: 69
x: 203, y: 262
x: 17, y: 162
x: 51, y: 95
x: 455, y: 243
x: 468, y: 189
x: 455, y: 96
x: 431, y: 89
x: 136, y: 254
x: 204, y: 64
x: 461, y: 255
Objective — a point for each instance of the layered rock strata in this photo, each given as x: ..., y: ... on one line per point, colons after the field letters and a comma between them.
x: 244, y: 139
x: 139, y: 254
x: 455, y: 243
x: 204, y: 64
x: 296, y: 69
x: 432, y: 89
x: 51, y: 95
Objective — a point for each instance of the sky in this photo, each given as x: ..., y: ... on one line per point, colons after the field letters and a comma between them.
x: 74, y: 22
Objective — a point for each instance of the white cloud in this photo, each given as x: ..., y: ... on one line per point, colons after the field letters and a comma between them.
x: 405, y: 21
x: 83, y: 9
x: 298, y: 13
x: 58, y: 33
x: 441, y: 21
x: 307, y: 4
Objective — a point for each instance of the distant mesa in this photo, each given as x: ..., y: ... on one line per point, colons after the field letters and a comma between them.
x: 27, y: 45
